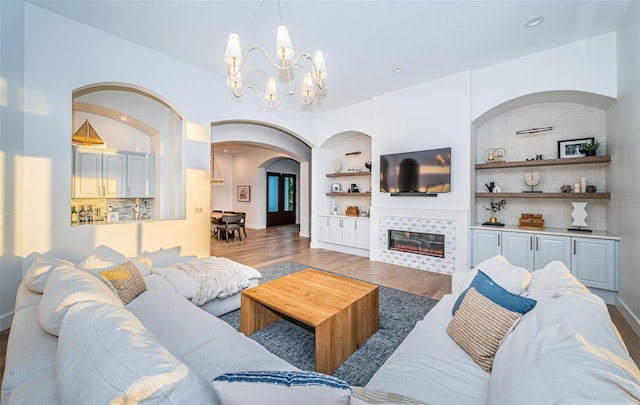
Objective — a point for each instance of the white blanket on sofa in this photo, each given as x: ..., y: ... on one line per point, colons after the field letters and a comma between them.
x: 217, y: 277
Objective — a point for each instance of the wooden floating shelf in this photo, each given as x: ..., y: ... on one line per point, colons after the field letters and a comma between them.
x: 349, y: 194
x: 349, y: 174
x: 546, y: 162
x: 567, y: 196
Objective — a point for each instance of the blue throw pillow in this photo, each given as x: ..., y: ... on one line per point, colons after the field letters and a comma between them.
x: 487, y: 287
x: 281, y: 388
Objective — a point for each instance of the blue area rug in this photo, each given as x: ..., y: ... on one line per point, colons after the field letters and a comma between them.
x: 295, y: 343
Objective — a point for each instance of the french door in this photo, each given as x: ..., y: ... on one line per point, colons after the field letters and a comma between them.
x: 281, y: 199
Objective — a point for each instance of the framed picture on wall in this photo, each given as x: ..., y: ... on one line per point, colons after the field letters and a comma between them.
x: 570, y: 148
x: 244, y: 193
x: 336, y: 188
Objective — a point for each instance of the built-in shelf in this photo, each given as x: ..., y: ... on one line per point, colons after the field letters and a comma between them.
x: 349, y: 194
x: 349, y: 174
x: 545, y: 162
x: 568, y: 196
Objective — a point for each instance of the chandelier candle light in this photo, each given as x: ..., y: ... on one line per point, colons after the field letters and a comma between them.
x: 285, y: 62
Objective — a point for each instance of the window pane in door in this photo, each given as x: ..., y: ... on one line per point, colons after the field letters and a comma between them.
x: 288, y: 193
x: 272, y: 183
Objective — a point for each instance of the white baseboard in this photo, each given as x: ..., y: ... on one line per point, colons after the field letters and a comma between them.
x: 5, y: 321
x: 627, y: 314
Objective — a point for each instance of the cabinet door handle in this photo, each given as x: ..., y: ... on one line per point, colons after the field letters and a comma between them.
x: 327, y: 221
x: 537, y: 243
x: 499, y: 237
x: 530, y: 242
x: 574, y: 247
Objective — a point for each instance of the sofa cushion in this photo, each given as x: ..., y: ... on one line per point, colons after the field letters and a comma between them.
x: 105, y: 355
x: 365, y: 396
x: 127, y: 281
x: 281, y: 388
x: 496, y: 293
x: 102, y: 258
x: 65, y: 287
x: 566, y: 351
x: 36, y: 276
x: 512, y: 278
x: 479, y: 326
x: 553, y: 279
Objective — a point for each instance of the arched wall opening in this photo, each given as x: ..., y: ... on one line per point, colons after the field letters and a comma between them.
x: 242, y: 151
x: 137, y: 122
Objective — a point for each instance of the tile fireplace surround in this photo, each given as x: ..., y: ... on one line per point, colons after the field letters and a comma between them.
x: 454, y: 225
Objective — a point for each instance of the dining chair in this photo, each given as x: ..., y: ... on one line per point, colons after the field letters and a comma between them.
x: 228, y: 223
x: 242, y: 221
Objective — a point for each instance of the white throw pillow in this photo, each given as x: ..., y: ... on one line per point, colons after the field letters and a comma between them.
x: 36, y: 276
x: 512, y: 278
x: 102, y: 258
x: 66, y: 286
x: 281, y: 388
x: 106, y: 356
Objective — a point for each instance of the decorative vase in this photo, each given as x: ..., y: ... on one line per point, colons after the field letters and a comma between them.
x: 493, y: 220
x: 590, y: 153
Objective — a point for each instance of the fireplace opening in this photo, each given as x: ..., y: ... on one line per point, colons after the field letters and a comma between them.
x: 428, y: 244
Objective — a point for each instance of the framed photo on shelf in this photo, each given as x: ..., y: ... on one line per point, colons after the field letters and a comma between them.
x: 570, y: 148
x: 336, y: 188
x: 244, y: 193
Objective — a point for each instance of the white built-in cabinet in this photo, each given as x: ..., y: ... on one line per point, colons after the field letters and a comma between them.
x: 104, y: 173
x: 347, y: 231
x: 591, y: 258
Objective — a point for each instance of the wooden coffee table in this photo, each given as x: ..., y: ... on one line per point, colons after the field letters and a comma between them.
x: 343, y: 312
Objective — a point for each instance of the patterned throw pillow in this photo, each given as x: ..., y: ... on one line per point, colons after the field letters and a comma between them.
x: 281, y: 388
x: 479, y: 326
x: 127, y: 280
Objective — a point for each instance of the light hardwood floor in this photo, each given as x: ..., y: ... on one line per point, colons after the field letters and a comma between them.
x: 265, y: 247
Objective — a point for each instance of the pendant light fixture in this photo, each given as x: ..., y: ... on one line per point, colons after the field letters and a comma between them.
x: 307, y: 90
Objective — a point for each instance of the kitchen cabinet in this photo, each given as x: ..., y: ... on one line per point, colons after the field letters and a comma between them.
x: 104, y: 173
x: 140, y: 175
x: 344, y: 231
x: 593, y: 260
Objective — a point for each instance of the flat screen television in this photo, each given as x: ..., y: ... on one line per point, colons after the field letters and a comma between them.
x: 418, y: 172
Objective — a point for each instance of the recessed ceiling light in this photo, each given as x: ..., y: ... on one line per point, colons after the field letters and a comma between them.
x: 397, y: 70
x: 534, y: 22
x: 123, y: 118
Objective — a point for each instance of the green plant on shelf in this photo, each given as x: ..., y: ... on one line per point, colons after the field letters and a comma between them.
x: 495, y: 206
x: 589, y: 147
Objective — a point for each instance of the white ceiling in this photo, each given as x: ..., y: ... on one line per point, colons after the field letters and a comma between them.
x: 362, y: 40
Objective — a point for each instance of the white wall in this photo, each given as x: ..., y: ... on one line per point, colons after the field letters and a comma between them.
x: 61, y: 55
x: 222, y: 196
x: 11, y: 149
x: 588, y: 66
x: 624, y: 145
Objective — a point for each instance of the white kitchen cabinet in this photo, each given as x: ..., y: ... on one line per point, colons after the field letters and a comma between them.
x: 140, y: 169
x: 517, y: 248
x: 484, y: 244
x: 335, y: 230
x: 362, y: 233
x: 104, y: 173
x: 353, y: 232
x: 98, y: 174
x: 594, y: 262
x: 324, y: 229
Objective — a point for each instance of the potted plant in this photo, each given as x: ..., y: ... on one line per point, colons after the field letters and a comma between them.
x: 495, y: 206
x: 589, y: 149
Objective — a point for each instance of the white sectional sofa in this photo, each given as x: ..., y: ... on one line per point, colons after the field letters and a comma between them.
x: 162, y: 348
x: 565, y: 350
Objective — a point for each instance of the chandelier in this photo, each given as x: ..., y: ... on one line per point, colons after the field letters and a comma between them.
x: 284, y: 63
